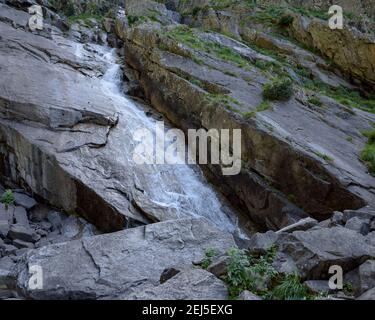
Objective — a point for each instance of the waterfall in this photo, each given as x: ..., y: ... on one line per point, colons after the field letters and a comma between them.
x: 181, y: 188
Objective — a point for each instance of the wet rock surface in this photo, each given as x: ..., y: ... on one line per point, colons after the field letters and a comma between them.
x: 72, y: 147
x: 280, y: 144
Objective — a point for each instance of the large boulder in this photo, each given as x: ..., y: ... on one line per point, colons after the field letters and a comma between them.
x: 116, y: 265
x: 194, y: 284
x: 315, y: 251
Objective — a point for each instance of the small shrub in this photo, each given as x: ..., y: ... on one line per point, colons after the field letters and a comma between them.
x: 7, y: 198
x: 279, y: 89
x: 370, y: 135
x: 238, y: 277
x: 196, y: 11
x: 286, y: 20
x: 368, y: 156
x: 209, y: 255
x: 250, y: 273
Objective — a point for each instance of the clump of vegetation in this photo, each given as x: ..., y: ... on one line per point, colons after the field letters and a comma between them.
x: 257, y: 274
x: 290, y: 288
x: 368, y: 153
x: 7, y: 198
x: 370, y: 135
x: 186, y: 36
x: 315, y: 101
x: 85, y: 18
x: 348, y: 289
x: 238, y: 277
x: 279, y: 89
x: 324, y: 156
x: 347, y: 97
x: 265, y: 105
x: 286, y: 20
x: 224, y: 100
x: 207, y: 260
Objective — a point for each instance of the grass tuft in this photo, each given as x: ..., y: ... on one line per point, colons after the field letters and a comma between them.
x: 279, y: 89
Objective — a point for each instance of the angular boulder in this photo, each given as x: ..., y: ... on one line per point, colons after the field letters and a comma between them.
x: 362, y: 278
x: 116, y: 265
x: 315, y: 251
x: 194, y: 284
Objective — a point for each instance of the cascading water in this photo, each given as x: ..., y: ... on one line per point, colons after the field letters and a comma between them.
x: 181, y: 188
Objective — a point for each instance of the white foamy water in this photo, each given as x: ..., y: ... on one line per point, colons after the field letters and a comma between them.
x: 179, y: 187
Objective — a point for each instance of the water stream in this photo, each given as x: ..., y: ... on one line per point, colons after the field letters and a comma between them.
x: 181, y: 188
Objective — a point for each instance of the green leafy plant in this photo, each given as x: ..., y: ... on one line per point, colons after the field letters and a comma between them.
x: 315, y: 101
x: 238, y: 277
x: 279, y: 89
x: 207, y: 260
x: 368, y: 153
x: 348, y: 289
x: 7, y: 198
x: 368, y: 156
x: 245, y: 272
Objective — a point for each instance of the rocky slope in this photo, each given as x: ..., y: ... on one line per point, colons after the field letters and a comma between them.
x: 67, y: 128
x: 224, y: 78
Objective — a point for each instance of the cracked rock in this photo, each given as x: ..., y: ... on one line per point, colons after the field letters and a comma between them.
x: 315, y: 250
x: 20, y: 232
x: 195, y: 284
x: 115, y: 264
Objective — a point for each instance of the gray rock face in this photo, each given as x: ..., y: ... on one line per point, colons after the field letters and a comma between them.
x: 20, y: 216
x: 318, y: 286
x: 7, y: 267
x: 6, y: 219
x: 359, y: 225
x: 314, y: 251
x: 370, y: 238
x: 362, y: 278
x: 195, y: 284
x: 120, y: 263
x: 365, y: 213
x: 247, y: 295
x: 290, y: 128
x: 62, y: 145
x: 24, y: 200
x: 260, y: 242
x: 368, y: 295
x: 20, y: 232
x: 219, y: 266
